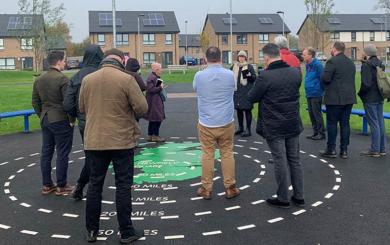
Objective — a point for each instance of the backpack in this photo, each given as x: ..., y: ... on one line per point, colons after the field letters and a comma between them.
x: 383, y: 82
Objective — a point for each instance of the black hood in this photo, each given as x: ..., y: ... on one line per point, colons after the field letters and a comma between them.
x: 93, y: 56
x: 375, y: 61
x: 132, y: 65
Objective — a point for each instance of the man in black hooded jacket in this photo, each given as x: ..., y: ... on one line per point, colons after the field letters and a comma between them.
x: 92, y: 58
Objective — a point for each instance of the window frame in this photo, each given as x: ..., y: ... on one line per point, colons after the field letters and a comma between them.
x: 242, y: 39
x: 353, y: 36
x: 123, y: 41
x: 149, y: 40
x: 262, y: 39
x: 372, y: 36
x: 225, y: 39
x: 1, y: 43
x: 26, y: 43
x: 149, y: 61
x: 99, y: 41
x: 6, y: 66
x: 169, y: 41
x: 334, y: 36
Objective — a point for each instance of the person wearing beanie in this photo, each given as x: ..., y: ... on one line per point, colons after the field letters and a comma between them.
x: 245, y: 76
x: 373, y: 101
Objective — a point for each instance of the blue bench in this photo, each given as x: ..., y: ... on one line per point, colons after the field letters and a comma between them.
x: 362, y: 113
x: 25, y: 113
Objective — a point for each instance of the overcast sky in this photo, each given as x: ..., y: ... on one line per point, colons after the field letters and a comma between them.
x: 194, y: 11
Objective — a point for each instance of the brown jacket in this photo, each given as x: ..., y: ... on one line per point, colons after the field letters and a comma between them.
x: 48, y: 94
x: 111, y: 100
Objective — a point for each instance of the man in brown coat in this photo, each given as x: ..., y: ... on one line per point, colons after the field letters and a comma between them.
x: 111, y: 100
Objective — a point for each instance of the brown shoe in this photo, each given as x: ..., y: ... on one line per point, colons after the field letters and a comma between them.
x: 232, y: 191
x: 202, y: 192
x: 48, y: 189
x: 64, y: 191
x: 157, y: 139
x: 150, y: 138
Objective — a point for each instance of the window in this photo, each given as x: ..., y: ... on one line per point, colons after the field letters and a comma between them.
x: 122, y: 39
x: 197, y: 50
x: 149, y: 39
x: 388, y: 36
x: 26, y: 43
x: 372, y: 36
x: 335, y: 36
x: 101, y: 39
x: 7, y: 64
x: 1, y: 43
x: 263, y: 38
x: 388, y: 52
x: 225, y: 39
x: 168, y: 39
x: 261, y: 55
x: 149, y: 58
x: 242, y: 39
x: 353, y: 36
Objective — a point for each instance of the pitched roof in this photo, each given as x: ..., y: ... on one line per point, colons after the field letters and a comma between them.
x: 247, y: 23
x: 351, y: 22
x: 17, y: 25
x: 193, y: 40
x: 127, y: 22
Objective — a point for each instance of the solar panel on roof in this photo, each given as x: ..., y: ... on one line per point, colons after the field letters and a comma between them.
x: 334, y: 20
x: 266, y: 20
x: 154, y: 19
x: 19, y: 23
x: 377, y: 20
x: 105, y: 19
x: 226, y: 21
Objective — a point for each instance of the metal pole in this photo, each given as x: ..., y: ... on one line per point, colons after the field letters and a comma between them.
x: 283, y: 25
x: 114, y: 23
x: 186, y: 53
x: 386, y: 36
x: 138, y: 40
x: 231, y: 32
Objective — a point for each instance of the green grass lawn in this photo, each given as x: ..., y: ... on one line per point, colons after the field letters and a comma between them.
x: 16, y: 89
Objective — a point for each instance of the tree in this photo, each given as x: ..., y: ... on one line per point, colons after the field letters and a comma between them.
x: 52, y: 17
x: 293, y: 41
x: 383, y: 4
x: 204, y: 41
x: 318, y: 11
x: 77, y: 49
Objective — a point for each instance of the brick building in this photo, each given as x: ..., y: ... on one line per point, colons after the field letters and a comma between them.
x: 193, y: 45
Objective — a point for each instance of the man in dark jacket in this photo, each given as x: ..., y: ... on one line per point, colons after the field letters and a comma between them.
x: 279, y: 122
x: 340, y: 95
x: 91, y: 61
x: 373, y: 102
x: 57, y: 132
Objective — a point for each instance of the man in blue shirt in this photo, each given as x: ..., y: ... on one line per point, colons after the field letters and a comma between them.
x: 314, y: 93
x: 215, y: 88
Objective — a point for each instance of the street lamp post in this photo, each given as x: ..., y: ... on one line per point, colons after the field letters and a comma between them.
x: 231, y: 32
x: 114, y: 23
x: 281, y: 12
x: 185, y: 58
x: 386, y: 36
x: 138, y: 38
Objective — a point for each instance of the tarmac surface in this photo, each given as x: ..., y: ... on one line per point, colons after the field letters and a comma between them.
x: 347, y: 201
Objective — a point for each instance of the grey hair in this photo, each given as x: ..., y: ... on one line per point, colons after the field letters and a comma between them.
x: 311, y: 51
x: 370, y: 50
x: 281, y: 41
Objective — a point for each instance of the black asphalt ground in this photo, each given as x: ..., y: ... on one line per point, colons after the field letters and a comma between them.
x: 348, y: 201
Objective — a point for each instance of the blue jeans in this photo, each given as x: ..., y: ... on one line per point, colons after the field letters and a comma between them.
x: 374, y: 114
x: 338, y: 114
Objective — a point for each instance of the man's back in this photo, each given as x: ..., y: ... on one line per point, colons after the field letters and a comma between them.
x: 215, y: 88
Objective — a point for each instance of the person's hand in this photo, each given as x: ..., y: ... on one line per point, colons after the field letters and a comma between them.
x: 162, y: 85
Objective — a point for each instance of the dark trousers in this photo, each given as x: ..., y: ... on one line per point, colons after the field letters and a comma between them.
x: 338, y: 114
x: 154, y: 128
x: 285, y: 152
x: 86, y: 171
x: 248, y: 118
x: 59, y: 136
x: 315, y: 114
x: 123, y: 162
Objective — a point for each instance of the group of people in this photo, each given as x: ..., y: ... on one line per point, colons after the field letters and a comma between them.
x: 106, y: 96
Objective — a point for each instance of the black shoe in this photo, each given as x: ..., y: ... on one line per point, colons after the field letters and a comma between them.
x: 275, y: 202
x: 310, y: 136
x: 328, y: 153
x: 298, y: 202
x: 91, y: 236
x: 318, y: 137
x: 78, y: 193
x: 343, y: 154
x: 239, y: 131
x: 246, y: 133
x: 136, y: 235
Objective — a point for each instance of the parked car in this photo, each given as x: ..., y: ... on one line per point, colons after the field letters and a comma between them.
x: 74, y: 62
x: 320, y: 56
x: 191, y: 61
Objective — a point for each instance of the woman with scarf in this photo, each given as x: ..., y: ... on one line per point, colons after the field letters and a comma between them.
x: 245, y: 77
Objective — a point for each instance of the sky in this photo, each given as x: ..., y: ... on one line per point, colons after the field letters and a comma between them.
x: 194, y: 11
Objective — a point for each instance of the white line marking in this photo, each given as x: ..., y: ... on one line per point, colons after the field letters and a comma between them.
x: 171, y: 188
x: 3, y: 163
x: 257, y: 202
x: 11, y: 177
x: 253, y: 148
x: 29, y: 232
x: 60, y: 236
x: 242, y: 140
x: 71, y: 161
x: 262, y: 172
x: 196, y: 198
x: 54, y: 168
x: 5, y: 227
x: 299, y: 212
x: 196, y: 184
x: 216, y: 178
x: 166, y: 202
x: 170, y: 217
x: 175, y: 138
x: 290, y: 188
x: 245, y: 227
x: 267, y: 152
x: 331, y: 166
x: 100, y: 238
x: 45, y: 210
x: 13, y: 198
x: 257, y: 142
x: 25, y: 205
x: 174, y: 237
x: 271, y: 221
x: 221, y: 193
x: 211, y: 233
x: 104, y: 218
x: 190, y: 154
x: 338, y: 180
x: 202, y: 213
x: 329, y: 195
x: 232, y: 208
x: 81, y: 158
x: 239, y: 146
x: 246, y: 156
x: 275, y: 196
x: 191, y: 138
x: 138, y: 203
x: 336, y: 187
x: 107, y: 202
x: 258, y: 161
x: 77, y: 151
x: 262, y: 166
x: 7, y: 191
x: 137, y: 218
x: 6, y: 184
x: 70, y: 215
x: 235, y: 153
x: 31, y: 165
x: 302, y: 152
x: 20, y: 158
x: 34, y: 154
x: 244, y: 187
x: 180, y: 174
x: 256, y: 180
x: 336, y: 172
x: 20, y: 170
x: 313, y: 156
x: 141, y: 189
x: 323, y: 160
x: 112, y: 187
x: 316, y: 204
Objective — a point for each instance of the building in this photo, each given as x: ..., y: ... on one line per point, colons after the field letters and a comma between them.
x: 16, y: 41
x: 158, y: 39
x: 250, y: 33
x: 355, y: 30
x: 192, y: 44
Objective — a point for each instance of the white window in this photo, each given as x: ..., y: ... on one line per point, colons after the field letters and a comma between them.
x: 261, y: 55
x: 388, y: 36
x: 225, y: 39
x: 1, y: 43
x: 149, y: 58
x: 122, y: 39
x: 26, y: 43
x: 7, y: 64
x: 242, y: 39
x: 335, y: 36
x: 149, y: 39
x: 101, y: 39
x: 168, y: 39
x: 372, y: 36
x: 263, y: 38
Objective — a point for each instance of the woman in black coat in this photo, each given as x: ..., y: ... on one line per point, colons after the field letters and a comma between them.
x: 245, y: 77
